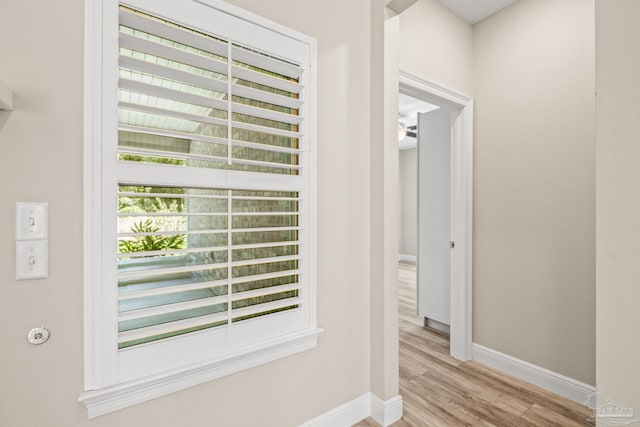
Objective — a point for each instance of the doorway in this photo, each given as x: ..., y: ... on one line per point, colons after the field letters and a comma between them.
x: 449, y: 227
x: 425, y: 208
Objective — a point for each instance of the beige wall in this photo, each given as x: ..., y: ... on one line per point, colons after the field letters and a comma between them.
x: 409, y: 202
x: 618, y: 201
x: 41, y: 151
x: 438, y: 45
x: 530, y: 69
x: 534, y: 239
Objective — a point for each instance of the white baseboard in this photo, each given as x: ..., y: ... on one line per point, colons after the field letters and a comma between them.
x: 350, y: 413
x: 386, y: 412
x: 344, y: 415
x: 557, y: 383
x: 407, y: 258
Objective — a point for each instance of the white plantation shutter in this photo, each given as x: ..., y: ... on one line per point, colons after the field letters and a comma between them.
x: 202, y: 190
x: 197, y: 258
x: 206, y: 101
x: 240, y: 261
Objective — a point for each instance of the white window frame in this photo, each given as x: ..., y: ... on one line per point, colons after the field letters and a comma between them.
x: 109, y: 385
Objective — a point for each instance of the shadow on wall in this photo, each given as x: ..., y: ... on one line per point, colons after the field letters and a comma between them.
x: 4, y: 118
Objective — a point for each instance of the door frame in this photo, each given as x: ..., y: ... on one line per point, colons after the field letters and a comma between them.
x: 461, y: 204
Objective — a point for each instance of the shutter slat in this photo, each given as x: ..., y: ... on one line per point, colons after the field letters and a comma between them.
x: 263, y: 229
x: 265, y: 62
x: 172, y: 233
x: 167, y: 290
x: 173, y: 134
x: 168, y: 73
x: 128, y: 275
x: 265, y: 164
x: 263, y: 113
x: 265, y: 147
x: 185, y: 156
x: 271, y: 290
x: 258, y: 261
x: 172, y: 113
x: 170, y: 94
x: 289, y: 199
x: 170, y: 327
x: 172, y: 154
x: 265, y: 214
x: 171, y: 32
x: 170, y: 252
x: 268, y: 97
x: 163, y: 51
x: 262, y: 308
x: 266, y: 245
x: 266, y: 79
x: 265, y: 276
x: 266, y: 129
x: 171, y: 195
x: 172, y: 214
x: 170, y: 308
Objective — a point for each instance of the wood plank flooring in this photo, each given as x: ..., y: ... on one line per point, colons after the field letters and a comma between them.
x: 439, y: 391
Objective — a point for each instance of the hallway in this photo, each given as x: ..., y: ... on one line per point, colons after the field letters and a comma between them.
x: 438, y: 390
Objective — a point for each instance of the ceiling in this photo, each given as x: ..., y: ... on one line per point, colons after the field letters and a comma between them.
x: 408, y: 110
x: 474, y: 11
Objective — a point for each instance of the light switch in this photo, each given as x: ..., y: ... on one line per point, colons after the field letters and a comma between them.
x: 31, y: 221
x: 32, y: 259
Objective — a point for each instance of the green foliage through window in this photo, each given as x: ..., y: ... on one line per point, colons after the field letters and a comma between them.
x: 151, y: 242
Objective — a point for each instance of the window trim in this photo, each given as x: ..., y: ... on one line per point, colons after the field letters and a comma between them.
x: 113, y: 398
x: 98, y: 397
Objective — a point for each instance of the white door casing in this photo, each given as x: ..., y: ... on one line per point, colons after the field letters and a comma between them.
x: 461, y: 273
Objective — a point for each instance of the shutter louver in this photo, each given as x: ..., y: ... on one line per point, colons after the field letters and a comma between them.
x: 203, y: 258
x: 200, y: 101
x: 194, y: 258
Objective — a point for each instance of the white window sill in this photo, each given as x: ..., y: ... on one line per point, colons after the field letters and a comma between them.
x: 113, y: 398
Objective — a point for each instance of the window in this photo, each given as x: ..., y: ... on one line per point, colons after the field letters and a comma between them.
x: 199, y: 188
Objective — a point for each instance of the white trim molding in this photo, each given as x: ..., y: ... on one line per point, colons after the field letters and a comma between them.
x: 110, y: 399
x: 345, y: 415
x: 386, y: 412
x: 115, y: 377
x: 461, y: 204
x: 554, y: 382
x: 407, y: 258
x: 368, y: 405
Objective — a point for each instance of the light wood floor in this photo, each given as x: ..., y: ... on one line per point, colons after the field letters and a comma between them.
x: 438, y: 390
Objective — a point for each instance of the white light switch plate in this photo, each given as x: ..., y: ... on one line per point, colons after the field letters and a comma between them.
x: 31, y: 221
x: 32, y: 259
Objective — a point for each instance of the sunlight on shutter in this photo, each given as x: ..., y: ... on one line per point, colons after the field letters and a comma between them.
x: 179, y: 106
x: 192, y: 259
